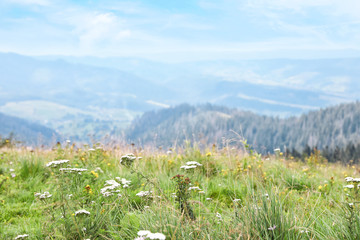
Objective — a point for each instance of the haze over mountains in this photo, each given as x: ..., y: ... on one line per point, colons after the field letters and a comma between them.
x: 78, y: 96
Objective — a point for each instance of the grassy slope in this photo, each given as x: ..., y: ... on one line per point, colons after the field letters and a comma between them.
x: 302, y: 200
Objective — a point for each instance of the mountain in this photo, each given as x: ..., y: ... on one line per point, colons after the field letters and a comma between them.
x: 82, y: 96
x: 278, y: 87
x: 207, y: 124
x: 27, y: 132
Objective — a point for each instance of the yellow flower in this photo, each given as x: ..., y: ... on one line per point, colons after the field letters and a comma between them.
x: 95, y: 174
x: 281, y: 154
x: 109, y: 164
x: 208, y: 154
x: 320, y: 187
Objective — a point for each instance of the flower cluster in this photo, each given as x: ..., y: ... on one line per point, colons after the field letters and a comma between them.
x: 56, y: 163
x: 127, y: 160
x: 190, y: 165
x: 43, y: 195
x: 80, y: 212
x: 145, y: 234
x: 78, y: 170
x: 144, y: 193
x: 110, y: 185
x: 21, y: 236
x: 124, y: 182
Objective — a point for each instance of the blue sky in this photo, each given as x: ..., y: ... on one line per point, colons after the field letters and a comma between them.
x: 188, y: 30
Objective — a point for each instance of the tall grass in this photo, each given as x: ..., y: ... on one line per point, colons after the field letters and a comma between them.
x: 231, y: 194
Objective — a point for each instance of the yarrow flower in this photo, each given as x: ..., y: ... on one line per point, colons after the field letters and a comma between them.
x: 57, y: 163
x: 190, y: 165
x: 80, y: 212
x: 43, y: 195
x: 144, y: 193
x: 145, y: 234
x: 194, y: 188
x: 349, y: 186
x: 127, y: 160
x: 112, y: 184
x: 78, y: 170
x: 21, y: 236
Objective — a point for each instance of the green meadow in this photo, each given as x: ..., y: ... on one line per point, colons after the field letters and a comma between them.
x: 107, y: 192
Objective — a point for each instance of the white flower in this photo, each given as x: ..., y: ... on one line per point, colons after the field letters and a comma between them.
x: 348, y: 179
x: 277, y: 150
x: 187, y: 167
x: 159, y: 236
x: 21, y: 236
x: 143, y: 233
x: 193, y: 163
x: 44, y: 195
x: 194, y: 188
x: 82, y: 212
x: 356, y: 180
x: 56, y: 163
x: 351, y: 204
x: 208, y: 199
x: 70, y: 195
x: 91, y: 150
x: 144, y: 193
x: 349, y: 186
x: 112, y: 185
x: 272, y: 228
x: 236, y: 200
x: 202, y: 192
x: 11, y: 170
x: 78, y: 170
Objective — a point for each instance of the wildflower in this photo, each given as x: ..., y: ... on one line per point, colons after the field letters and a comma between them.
x: 91, y: 150
x: 187, y: 167
x: 193, y: 163
x: 194, y: 188
x: 44, y: 195
x: 272, y: 228
x: 349, y: 186
x: 56, y: 163
x: 95, y: 174
x: 320, y: 187
x: 79, y: 170
x: 98, y: 169
x: 208, y: 199
x: 202, y: 192
x: 11, y: 170
x: 21, y: 236
x: 218, y: 215
x: 112, y: 185
x: 277, y: 150
x: 144, y: 193
x: 13, y: 175
x: 236, y: 200
x: 208, y: 154
x: 127, y: 160
x: 158, y: 236
x: 351, y: 205
x: 143, y: 233
x: 79, y: 212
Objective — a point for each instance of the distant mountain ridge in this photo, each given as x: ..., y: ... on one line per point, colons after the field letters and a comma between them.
x: 26, y: 132
x: 208, y: 124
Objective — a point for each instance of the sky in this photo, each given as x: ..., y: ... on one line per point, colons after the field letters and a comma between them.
x: 187, y: 30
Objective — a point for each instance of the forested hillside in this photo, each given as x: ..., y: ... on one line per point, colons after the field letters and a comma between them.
x: 26, y: 132
x: 326, y: 129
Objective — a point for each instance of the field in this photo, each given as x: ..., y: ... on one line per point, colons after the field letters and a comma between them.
x: 228, y: 193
